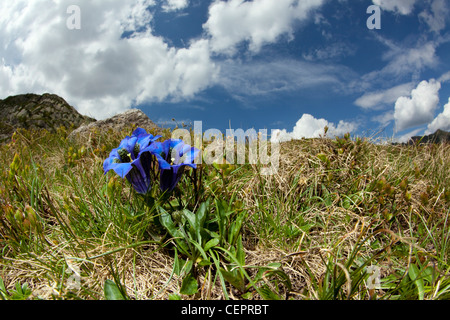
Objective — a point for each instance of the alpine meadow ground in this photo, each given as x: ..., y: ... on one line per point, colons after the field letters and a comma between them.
x: 341, y: 218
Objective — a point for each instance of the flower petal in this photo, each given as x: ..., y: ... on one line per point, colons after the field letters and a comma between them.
x: 138, y: 177
x: 138, y: 132
x: 122, y: 169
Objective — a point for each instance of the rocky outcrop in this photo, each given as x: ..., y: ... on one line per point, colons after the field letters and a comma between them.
x: 439, y: 136
x: 32, y: 111
x: 122, y: 121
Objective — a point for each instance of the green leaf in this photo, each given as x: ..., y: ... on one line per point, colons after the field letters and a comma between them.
x: 189, y: 286
x: 112, y: 291
x: 167, y: 222
x: 428, y: 274
x: 202, y: 213
x: 211, y: 244
x: 191, y: 218
x: 204, y: 263
x: 235, y: 278
x: 307, y: 227
x: 283, y: 277
x: 174, y: 297
x: 247, y: 295
x: 178, y: 264
x: 415, y: 276
x: 221, y: 217
x: 236, y: 227
x: 268, y: 294
x: 3, y: 292
x: 274, y: 265
x: 240, y: 253
x: 22, y: 292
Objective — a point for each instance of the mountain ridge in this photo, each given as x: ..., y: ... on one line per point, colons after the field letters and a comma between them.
x: 440, y: 136
x: 34, y: 111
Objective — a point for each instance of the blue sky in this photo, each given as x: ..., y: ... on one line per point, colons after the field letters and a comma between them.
x: 292, y: 66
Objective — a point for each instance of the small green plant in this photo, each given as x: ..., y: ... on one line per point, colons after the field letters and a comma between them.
x: 20, y: 292
x: 114, y: 291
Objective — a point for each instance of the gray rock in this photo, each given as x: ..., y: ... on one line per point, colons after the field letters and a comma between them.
x: 118, y: 122
x: 440, y: 136
x: 32, y: 111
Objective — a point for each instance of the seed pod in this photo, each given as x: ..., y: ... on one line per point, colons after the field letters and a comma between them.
x: 416, y: 172
x: 177, y: 216
x: 9, y: 213
x: 14, y: 167
x: 381, y: 183
x: 424, y: 198
x: 387, y: 214
x: 404, y: 184
x: 26, y: 224
x: 30, y: 215
x: 19, y: 216
x: 408, y: 196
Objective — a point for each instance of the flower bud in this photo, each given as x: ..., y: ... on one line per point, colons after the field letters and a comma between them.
x: 408, y: 196
x: 19, y: 216
x: 424, y: 198
x: 177, y: 215
x: 404, y: 184
x: 9, y: 213
x: 14, y: 167
x: 30, y: 215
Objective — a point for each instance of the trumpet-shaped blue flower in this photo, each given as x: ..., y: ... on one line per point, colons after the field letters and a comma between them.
x: 129, y: 161
x: 172, y: 156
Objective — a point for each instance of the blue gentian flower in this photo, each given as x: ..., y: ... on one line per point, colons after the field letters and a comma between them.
x: 129, y: 161
x: 172, y: 156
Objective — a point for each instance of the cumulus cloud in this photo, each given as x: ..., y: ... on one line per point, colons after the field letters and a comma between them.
x: 376, y: 100
x: 97, y: 69
x: 309, y: 127
x: 419, y: 108
x: 404, y: 7
x: 442, y: 121
x: 257, y: 22
x: 174, y: 5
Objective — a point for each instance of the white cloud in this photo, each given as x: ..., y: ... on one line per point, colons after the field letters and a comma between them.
x: 376, y: 100
x: 404, y: 7
x: 384, y: 118
x: 263, y: 78
x: 442, y: 121
x: 445, y: 77
x: 310, y: 127
x: 96, y: 69
x: 258, y: 22
x: 330, y: 51
x: 174, y: 5
x: 419, y: 108
x: 436, y: 20
x: 407, y: 136
x: 403, y: 62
